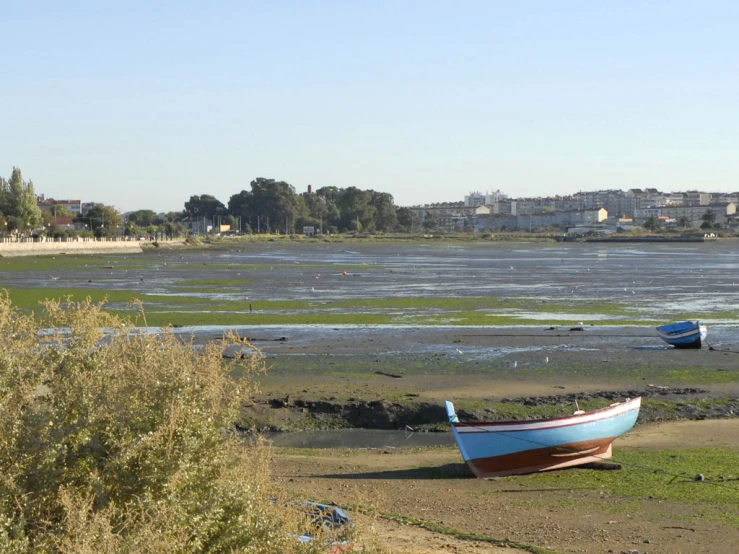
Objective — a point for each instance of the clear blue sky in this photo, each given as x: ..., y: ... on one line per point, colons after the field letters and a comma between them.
x: 141, y: 104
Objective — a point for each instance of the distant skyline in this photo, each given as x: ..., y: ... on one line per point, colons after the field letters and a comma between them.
x: 143, y: 104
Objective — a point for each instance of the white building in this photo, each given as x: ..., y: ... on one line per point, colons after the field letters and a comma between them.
x: 474, y: 199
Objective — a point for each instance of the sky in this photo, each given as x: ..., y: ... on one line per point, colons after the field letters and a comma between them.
x: 141, y: 104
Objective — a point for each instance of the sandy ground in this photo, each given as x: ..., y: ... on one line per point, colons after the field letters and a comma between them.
x: 531, y: 517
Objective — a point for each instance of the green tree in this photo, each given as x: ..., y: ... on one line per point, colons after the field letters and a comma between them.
x: 205, y: 205
x: 103, y: 220
x: 174, y: 217
x: 326, y: 209
x: 317, y: 208
x: 18, y: 201
x: 653, y: 223
x: 408, y: 220
x: 354, y: 205
x: 142, y: 217
x: 709, y: 219
x: 4, y: 193
x: 683, y: 221
x: 240, y: 205
x: 384, y: 211
x: 430, y: 221
x: 277, y: 203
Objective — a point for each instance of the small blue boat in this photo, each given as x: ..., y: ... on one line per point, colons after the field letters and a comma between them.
x: 686, y: 334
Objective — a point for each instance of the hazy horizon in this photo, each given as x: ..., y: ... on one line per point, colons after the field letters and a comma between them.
x: 141, y: 106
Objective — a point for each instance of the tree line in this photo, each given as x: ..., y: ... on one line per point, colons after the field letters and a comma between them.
x: 267, y: 206
x: 274, y: 206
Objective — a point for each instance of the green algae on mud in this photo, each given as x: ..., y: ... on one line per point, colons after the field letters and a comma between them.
x: 211, y: 309
x: 653, y: 475
x: 72, y: 263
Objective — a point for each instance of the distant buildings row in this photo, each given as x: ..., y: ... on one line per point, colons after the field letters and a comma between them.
x: 496, y: 212
x: 76, y: 207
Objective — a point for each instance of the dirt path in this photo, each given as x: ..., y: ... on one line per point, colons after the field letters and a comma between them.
x: 433, y: 485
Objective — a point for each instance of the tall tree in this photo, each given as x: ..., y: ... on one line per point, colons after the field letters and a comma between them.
x: 103, y: 220
x: 142, y: 218
x: 241, y: 205
x: 4, y: 191
x: 278, y: 202
x: 205, y: 205
x: 19, y: 201
x: 408, y: 220
x: 385, y: 214
x: 325, y: 204
x: 431, y: 221
x: 709, y: 218
x: 355, y: 208
x: 653, y: 223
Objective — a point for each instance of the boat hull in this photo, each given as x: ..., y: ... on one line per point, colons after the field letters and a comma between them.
x: 542, y: 459
x: 513, y: 448
x: 683, y: 335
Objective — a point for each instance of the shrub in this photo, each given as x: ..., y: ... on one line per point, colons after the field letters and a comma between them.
x: 120, y: 440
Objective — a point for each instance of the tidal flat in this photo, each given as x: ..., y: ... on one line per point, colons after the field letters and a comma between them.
x: 505, y: 330
x: 394, y: 283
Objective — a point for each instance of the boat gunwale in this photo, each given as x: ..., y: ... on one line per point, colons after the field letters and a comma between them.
x: 526, y: 423
x: 695, y: 327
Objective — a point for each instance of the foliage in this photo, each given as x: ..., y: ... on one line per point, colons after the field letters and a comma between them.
x: 18, y: 203
x: 204, y: 205
x: 430, y: 221
x: 119, y: 441
x: 384, y: 211
x: 653, y: 223
x: 142, y: 218
x: 102, y: 220
x: 408, y: 220
x: 683, y: 221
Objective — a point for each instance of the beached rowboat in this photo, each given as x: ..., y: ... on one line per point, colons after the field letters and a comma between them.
x: 515, y: 447
x: 686, y: 334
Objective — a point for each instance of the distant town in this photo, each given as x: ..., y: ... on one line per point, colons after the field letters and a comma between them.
x: 598, y: 211
x: 272, y: 206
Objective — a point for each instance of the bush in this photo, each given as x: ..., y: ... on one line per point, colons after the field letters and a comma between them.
x: 122, y: 441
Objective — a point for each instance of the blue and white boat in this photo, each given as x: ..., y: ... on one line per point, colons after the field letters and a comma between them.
x: 686, y: 334
x: 503, y: 448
